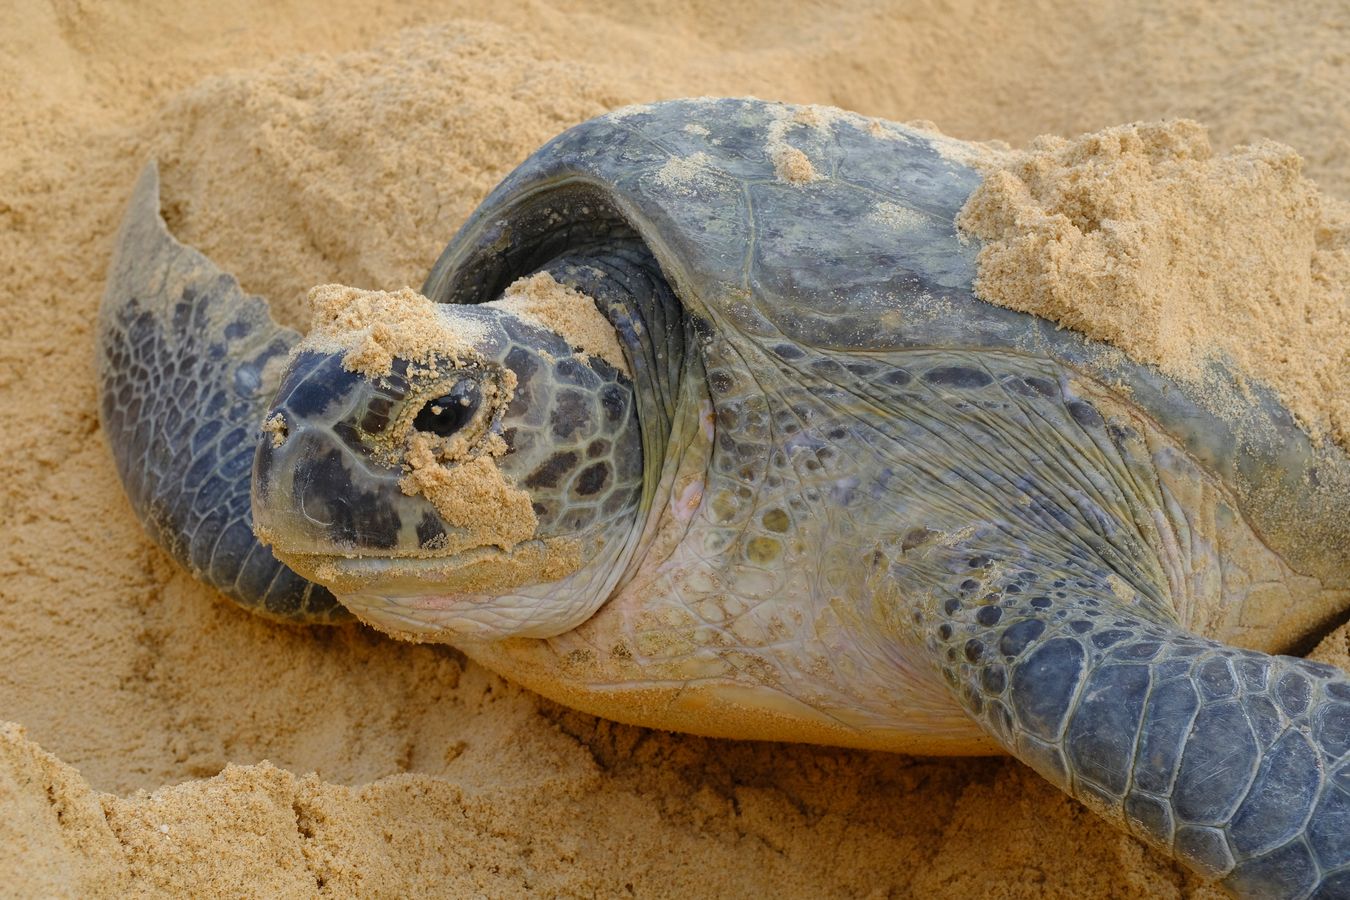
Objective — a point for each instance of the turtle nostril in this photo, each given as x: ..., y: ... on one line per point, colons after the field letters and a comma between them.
x: 451, y: 411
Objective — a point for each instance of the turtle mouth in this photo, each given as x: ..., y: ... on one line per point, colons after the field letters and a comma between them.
x: 473, y: 570
x: 468, y: 594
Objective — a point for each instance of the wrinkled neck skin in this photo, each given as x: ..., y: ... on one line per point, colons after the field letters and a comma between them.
x: 837, y: 497
x: 631, y: 293
x: 670, y: 385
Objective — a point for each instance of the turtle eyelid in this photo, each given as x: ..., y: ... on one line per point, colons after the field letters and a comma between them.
x: 449, y: 413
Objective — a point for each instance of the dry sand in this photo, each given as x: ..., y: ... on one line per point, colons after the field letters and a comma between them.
x: 1140, y: 236
x: 433, y: 776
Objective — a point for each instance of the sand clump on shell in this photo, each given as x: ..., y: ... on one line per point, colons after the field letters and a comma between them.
x: 790, y: 164
x: 1139, y: 235
x: 346, y: 142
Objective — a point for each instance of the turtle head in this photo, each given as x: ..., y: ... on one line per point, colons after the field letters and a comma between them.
x: 451, y: 470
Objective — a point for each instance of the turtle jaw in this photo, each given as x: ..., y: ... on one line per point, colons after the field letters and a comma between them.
x: 536, y: 589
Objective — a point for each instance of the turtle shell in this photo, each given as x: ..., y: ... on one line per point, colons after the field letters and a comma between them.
x: 836, y: 233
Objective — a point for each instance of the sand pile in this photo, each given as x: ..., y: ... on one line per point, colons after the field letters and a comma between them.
x: 1140, y: 236
x: 354, y: 164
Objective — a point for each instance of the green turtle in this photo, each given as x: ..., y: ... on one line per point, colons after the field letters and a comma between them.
x: 801, y: 484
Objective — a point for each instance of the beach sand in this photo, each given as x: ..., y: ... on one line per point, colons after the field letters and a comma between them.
x: 171, y: 744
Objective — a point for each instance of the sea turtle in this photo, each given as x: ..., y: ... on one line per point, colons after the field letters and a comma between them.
x: 817, y: 490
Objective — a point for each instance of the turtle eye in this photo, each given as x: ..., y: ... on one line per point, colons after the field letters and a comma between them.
x: 451, y: 411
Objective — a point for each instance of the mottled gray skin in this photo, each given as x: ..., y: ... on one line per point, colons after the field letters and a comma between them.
x: 1066, y: 539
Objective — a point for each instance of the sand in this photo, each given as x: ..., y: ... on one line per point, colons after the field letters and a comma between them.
x: 370, y: 328
x: 568, y: 313
x: 1140, y: 236
x: 150, y: 704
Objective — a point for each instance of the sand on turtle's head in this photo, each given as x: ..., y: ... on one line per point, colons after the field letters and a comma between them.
x: 458, y: 475
x: 470, y: 492
x: 541, y: 300
x: 372, y: 327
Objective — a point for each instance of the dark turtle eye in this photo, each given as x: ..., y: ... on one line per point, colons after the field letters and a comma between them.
x: 451, y: 411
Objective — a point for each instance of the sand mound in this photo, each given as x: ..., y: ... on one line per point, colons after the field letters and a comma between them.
x: 432, y: 776
x: 1140, y: 236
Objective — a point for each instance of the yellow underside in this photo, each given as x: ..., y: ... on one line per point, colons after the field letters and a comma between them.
x: 724, y: 709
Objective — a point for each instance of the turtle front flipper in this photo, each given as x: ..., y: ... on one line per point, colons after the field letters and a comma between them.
x: 187, y: 363
x: 1233, y: 761
x: 1052, y: 581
